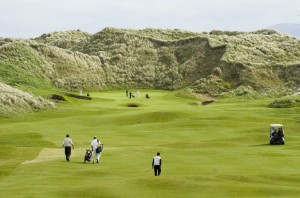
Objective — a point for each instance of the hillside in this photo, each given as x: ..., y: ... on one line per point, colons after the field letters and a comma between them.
x: 14, y: 101
x: 212, y: 63
x: 66, y: 40
x: 29, y: 63
x: 171, y: 59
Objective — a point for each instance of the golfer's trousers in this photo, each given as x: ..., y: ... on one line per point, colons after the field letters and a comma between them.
x: 67, y: 152
x: 157, y: 170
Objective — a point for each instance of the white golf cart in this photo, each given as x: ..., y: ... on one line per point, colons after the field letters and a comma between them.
x: 276, y: 134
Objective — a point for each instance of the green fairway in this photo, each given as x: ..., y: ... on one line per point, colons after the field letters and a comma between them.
x: 218, y: 150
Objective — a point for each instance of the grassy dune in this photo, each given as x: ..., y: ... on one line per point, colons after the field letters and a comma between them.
x: 211, y: 63
x: 15, y: 101
x: 218, y: 150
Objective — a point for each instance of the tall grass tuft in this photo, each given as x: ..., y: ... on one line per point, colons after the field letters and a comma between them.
x: 14, y: 101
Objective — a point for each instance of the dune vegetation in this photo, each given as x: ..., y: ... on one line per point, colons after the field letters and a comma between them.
x: 211, y: 63
x: 14, y: 102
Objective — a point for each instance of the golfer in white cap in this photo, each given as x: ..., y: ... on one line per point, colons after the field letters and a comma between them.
x: 94, y: 145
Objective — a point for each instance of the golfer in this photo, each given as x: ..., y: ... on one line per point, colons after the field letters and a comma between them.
x: 98, y: 150
x: 156, y: 164
x: 67, y: 143
x: 94, y: 145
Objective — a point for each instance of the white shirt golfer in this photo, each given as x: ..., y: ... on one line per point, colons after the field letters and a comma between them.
x: 156, y: 164
x: 94, y: 145
x: 156, y: 160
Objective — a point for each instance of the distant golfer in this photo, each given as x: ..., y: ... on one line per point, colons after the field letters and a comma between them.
x: 156, y: 164
x: 67, y: 143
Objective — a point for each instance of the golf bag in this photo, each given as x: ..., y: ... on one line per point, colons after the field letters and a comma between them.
x: 99, y: 148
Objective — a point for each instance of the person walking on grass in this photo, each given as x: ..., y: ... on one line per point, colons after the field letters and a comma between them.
x: 94, y: 145
x: 67, y: 144
x: 98, y: 150
x: 156, y: 164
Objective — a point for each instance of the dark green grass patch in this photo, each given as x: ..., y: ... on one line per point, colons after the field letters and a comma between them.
x: 23, y: 139
x: 282, y: 104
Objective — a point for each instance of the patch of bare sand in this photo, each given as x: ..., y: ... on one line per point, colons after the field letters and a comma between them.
x: 51, y: 154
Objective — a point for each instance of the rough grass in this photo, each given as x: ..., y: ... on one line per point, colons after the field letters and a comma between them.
x: 14, y: 101
x: 152, y: 58
x: 285, y: 102
x: 218, y: 150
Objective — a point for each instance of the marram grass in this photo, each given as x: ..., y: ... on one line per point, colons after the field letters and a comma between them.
x: 153, y: 58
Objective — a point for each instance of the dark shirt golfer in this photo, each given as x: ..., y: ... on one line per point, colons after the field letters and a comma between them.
x: 156, y: 164
x: 67, y: 143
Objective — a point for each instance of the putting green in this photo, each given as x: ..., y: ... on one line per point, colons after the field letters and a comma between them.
x: 217, y: 150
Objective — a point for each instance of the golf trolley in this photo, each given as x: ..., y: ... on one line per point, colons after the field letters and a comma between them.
x: 88, y: 155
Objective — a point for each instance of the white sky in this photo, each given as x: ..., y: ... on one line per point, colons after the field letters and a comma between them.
x: 32, y: 18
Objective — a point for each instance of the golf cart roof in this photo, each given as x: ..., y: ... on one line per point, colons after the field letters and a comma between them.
x: 276, y: 125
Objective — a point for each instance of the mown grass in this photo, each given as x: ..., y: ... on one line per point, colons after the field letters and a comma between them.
x: 217, y: 150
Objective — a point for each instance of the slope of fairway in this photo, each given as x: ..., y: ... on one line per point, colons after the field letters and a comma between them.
x: 217, y: 150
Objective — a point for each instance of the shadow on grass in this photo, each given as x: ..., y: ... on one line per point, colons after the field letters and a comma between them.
x: 79, y: 162
x: 258, y: 145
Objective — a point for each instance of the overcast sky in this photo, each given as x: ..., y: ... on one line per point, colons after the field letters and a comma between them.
x: 32, y: 18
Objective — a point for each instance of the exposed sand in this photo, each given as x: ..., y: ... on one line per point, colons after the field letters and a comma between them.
x: 49, y: 154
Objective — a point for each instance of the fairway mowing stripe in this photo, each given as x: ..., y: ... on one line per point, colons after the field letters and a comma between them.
x: 48, y: 154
